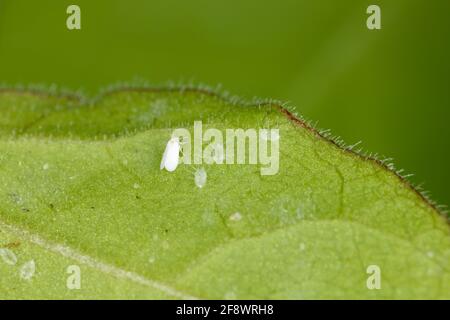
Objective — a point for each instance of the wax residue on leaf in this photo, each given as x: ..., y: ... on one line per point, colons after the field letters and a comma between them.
x: 200, y: 177
x: 209, y: 218
x: 27, y: 270
x: 8, y: 256
x: 146, y: 115
x: 17, y: 199
x: 286, y: 210
x: 236, y: 216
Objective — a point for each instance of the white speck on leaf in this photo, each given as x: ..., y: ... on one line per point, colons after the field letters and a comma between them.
x: 45, y: 166
x: 27, y: 270
x: 200, y: 177
x: 136, y: 186
x: 8, y: 256
x: 152, y: 259
x: 302, y: 247
x: 236, y: 216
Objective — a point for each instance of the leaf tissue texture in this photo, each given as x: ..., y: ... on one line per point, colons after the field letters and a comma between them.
x: 81, y: 185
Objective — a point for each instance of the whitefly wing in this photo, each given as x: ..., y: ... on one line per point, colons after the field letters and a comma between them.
x: 171, y: 155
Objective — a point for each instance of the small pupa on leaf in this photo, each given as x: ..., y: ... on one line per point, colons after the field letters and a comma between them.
x: 171, y: 156
x: 27, y: 270
x: 200, y: 177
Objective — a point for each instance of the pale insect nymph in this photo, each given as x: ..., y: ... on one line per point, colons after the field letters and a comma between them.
x: 171, y: 155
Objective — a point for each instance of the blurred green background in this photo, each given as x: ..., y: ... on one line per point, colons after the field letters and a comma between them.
x: 388, y: 88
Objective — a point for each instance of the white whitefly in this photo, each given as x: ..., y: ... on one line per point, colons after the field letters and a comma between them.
x: 171, y: 155
x: 8, y: 256
x: 27, y: 270
x: 200, y: 177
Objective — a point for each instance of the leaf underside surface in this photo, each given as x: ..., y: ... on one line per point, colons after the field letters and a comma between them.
x: 80, y: 184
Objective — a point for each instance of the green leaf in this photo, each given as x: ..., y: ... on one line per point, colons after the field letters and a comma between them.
x: 81, y: 185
